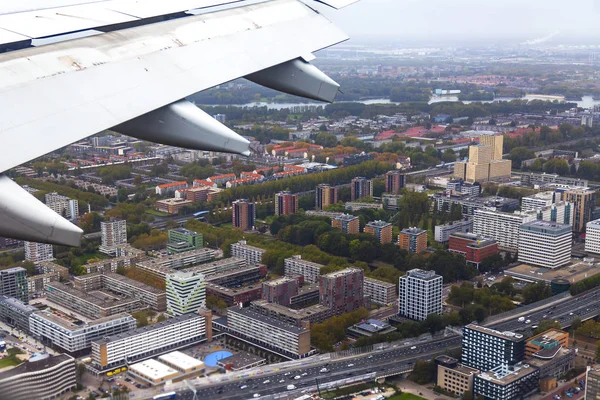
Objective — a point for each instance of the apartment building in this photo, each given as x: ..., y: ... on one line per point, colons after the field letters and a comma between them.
x: 142, y: 343
x: 592, y: 236
x: 280, y: 290
x: 286, y: 203
x: 325, y: 195
x: 114, y: 234
x: 73, y: 335
x: 252, y: 254
x: 96, y: 305
x: 62, y: 205
x: 244, y: 214
x: 342, y: 291
x: 43, y: 376
x: 485, y: 348
x: 295, y: 265
x: 361, y: 187
x: 381, y: 230
x: 13, y: 283
x: 413, y: 240
x: 394, y: 181
x: 420, y: 294
x: 545, y: 244
x: 442, y: 232
x: 501, y: 227
x: 36, y: 284
x: 301, y: 317
x: 584, y: 204
x: 37, y: 252
x: 232, y: 295
x: 171, y: 187
x: 186, y: 292
x: 380, y: 292
x: 279, y: 337
x: 349, y: 224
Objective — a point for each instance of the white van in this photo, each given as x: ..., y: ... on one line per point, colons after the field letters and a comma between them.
x: 521, y: 319
x: 291, y: 387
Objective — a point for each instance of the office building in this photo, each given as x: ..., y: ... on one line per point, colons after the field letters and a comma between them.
x: 420, y: 294
x: 361, y: 187
x: 347, y: 223
x: 181, y: 240
x: 286, y: 203
x: 114, y: 234
x: 548, y: 339
x: 545, y: 244
x: 413, y: 240
x: 447, y: 201
x: 325, y: 195
x: 584, y: 204
x: 507, y: 382
x: 342, y: 291
x: 592, y: 236
x: 454, y: 377
x: 244, y: 214
x: 394, y: 182
x: 381, y: 230
x: 38, y: 252
x: 474, y: 248
x: 186, y: 292
x: 280, y: 290
x: 252, y: 254
x: 501, y: 227
x: 62, y: 205
x: 485, y: 348
x: 549, y: 207
x: 15, y: 313
x: 549, y: 353
x: 442, y: 232
x: 172, y: 206
x: 592, y: 383
x: 295, y: 265
x: 73, y: 335
x: 459, y: 186
x: 93, y: 305
x: 485, y: 161
x: 111, y: 282
x: 287, y: 340
x: 13, y: 283
x: 380, y: 292
x: 43, y: 376
x: 539, y: 200
x: 142, y: 343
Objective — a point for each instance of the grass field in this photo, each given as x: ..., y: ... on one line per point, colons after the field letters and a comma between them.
x: 7, y: 362
x: 406, y: 396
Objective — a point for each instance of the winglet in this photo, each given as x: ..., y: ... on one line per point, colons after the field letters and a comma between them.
x: 337, y: 4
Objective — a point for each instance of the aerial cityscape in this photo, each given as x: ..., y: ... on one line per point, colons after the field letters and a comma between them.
x: 390, y: 217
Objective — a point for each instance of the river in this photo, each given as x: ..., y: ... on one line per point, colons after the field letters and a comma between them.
x: 586, y: 102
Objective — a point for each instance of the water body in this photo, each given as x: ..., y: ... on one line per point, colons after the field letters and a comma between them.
x: 211, y: 359
x: 586, y: 102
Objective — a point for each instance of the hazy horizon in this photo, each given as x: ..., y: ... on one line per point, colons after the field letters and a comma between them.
x: 470, y: 21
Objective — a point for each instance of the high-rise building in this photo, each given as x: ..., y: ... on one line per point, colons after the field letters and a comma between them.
x: 473, y: 247
x: 347, y: 223
x: 244, y: 214
x: 546, y: 244
x: 325, y: 195
x: 13, y: 283
x: 181, y: 240
x: 485, y: 161
x: 592, y: 384
x: 62, y: 205
x: 280, y: 291
x: 420, y: 294
x: 186, y: 292
x: 381, y: 230
x: 592, y: 236
x: 584, y: 203
x: 549, y: 207
x: 507, y: 382
x: 361, y: 187
x: 501, y: 227
x: 286, y: 203
x: 413, y: 240
x: 114, y: 234
x: 484, y: 348
x: 342, y: 291
x: 394, y: 181
x: 36, y: 252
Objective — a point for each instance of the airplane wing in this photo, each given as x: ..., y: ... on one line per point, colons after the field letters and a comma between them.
x: 134, y: 80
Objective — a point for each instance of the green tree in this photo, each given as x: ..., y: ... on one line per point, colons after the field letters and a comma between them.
x: 326, y: 139
x: 519, y: 154
x: 546, y: 324
x: 536, y: 292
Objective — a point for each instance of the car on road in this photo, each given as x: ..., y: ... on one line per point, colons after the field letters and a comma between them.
x: 267, y: 381
x: 287, y: 373
x: 243, y: 387
x: 350, y: 365
x: 305, y: 373
x: 291, y: 387
x: 323, y: 370
x: 413, y: 347
x: 256, y: 395
x: 281, y: 381
x: 297, y: 377
x: 528, y: 321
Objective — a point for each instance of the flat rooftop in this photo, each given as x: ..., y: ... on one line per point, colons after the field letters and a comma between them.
x: 75, y: 324
x: 17, y: 304
x: 303, y: 313
x: 343, y: 272
x: 504, y: 374
x: 181, y: 360
x: 515, y: 337
x: 42, y: 362
x: 132, y: 282
x: 380, y: 283
x: 241, y: 360
x: 264, y: 319
x: 552, y: 228
x: 279, y: 281
x: 243, y: 243
x: 551, y: 334
x: 573, y: 272
x: 98, y: 298
x: 153, y: 369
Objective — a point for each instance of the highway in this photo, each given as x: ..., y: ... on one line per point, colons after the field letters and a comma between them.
x: 395, y: 359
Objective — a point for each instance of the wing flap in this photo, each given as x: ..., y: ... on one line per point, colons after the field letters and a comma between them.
x: 74, y: 89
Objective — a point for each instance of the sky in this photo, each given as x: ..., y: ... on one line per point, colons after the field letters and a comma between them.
x: 471, y: 20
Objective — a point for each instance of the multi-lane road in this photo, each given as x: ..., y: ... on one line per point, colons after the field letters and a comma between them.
x: 391, y: 360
